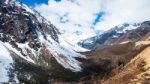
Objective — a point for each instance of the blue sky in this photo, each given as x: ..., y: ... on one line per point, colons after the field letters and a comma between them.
x: 33, y: 2
x: 98, y: 18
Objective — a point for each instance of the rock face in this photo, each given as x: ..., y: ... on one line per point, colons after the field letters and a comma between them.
x: 118, y: 34
x: 22, y: 25
x: 32, y: 44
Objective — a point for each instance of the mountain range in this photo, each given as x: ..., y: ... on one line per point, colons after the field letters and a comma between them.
x: 34, y: 51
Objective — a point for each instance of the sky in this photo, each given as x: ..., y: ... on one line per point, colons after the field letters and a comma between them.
x: 98, y: 14
x: 71, y: 8
x: 33, y: 2
x: 83, y: 18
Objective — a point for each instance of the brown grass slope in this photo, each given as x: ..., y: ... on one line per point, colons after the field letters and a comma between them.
x: 117, y: 54
x: 114, y: 62
x: 137, y: 71
x: 120, y: 61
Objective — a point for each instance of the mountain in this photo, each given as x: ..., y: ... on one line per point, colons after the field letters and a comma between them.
x: 34, y: 51
x: 30, y: 45
x: 118, y: 34
x: 124, y: 63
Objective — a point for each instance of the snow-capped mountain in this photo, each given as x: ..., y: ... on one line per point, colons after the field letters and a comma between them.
x: 113, y: 33
x: 27, y: 37
x: 34, y: 50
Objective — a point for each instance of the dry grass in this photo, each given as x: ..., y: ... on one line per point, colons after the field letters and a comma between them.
x: 137, y: 71
x: 133, y: 59
x: 117, y: 54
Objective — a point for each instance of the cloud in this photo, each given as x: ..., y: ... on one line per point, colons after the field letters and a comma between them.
x: 78, y: 12
x: 121, y: 11
x: 71, y: 16
x: 87, y: 16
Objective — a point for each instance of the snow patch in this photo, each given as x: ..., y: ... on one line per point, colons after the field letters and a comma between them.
x: 5, y: 63
x: 18, y: 52
x: 63, y: 56
x: 26, y: 46
x: 68, y: 45
x: 7, y: 1
x: 28, y: 9
x: 124, y: 42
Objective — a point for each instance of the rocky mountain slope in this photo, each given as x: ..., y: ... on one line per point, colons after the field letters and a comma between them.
x: 27, y: 40
x: 118, y: 34
x: 125, y: 63
x: 32, y: 51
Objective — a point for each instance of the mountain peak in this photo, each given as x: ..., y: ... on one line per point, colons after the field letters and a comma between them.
x: 27, y: 37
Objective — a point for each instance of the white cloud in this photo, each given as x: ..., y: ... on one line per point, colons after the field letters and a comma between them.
x: 120, y: 11
x: 83, y: 13
x: 80, y: 13
x: 77, y: 16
